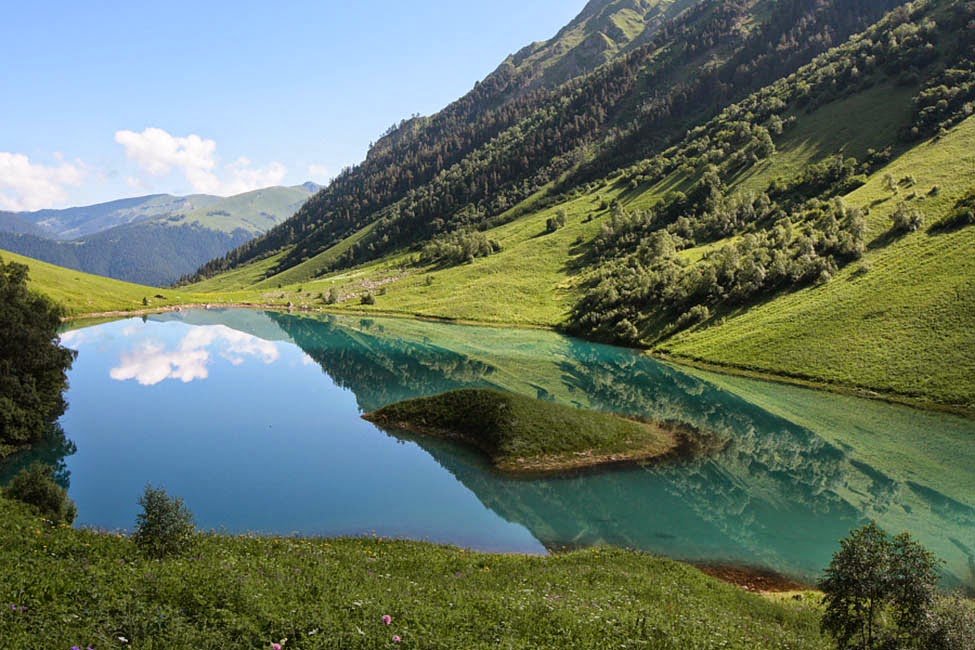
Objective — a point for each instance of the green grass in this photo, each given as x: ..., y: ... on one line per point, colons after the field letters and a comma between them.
x: 849, y: 126
x: 899, y: 322
x: 82, y: 293
x: 530, y: 282
x: 237, y: 279
x: 88, y: 589
x: 521, y: 434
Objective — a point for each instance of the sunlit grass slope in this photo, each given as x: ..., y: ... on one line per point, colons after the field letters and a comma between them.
x: 82, y: 293
x: 89, y: 589
x: 902, y: 321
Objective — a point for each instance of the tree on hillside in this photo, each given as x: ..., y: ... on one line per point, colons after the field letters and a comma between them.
x: 33, y: 364
x: 881, y: 592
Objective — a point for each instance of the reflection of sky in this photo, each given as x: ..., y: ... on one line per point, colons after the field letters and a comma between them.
x: 267, y: 443
x: 150, y: 360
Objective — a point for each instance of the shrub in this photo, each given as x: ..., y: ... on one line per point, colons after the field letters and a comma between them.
x: 906, y: 219
x: 165, y: 527
x: 368, y: 299
x: 693, y: 316
x: 951, y: 624
x: 35, y: 485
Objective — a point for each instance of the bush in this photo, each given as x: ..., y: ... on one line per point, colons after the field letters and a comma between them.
x: 951, y: 624
x: 35, y: 485
x: 368, y: 299
x: 906, y: 219
x: 165, y: 527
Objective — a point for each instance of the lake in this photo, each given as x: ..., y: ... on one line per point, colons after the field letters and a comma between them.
x: 254, y: 419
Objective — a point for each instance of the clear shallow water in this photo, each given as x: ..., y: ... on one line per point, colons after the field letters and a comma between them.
x: 253, y: 418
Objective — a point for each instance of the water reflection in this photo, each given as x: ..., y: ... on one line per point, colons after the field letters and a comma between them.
x: 799, y: 471
x: 53, y: 450
x: 150, y: 361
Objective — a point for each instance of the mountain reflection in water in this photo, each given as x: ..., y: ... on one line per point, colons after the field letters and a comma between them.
x: 801, y: 468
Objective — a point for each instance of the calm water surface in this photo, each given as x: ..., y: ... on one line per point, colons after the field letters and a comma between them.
x: 254, y: 418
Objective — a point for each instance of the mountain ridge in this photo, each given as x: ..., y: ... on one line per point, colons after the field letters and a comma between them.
x: 153, y: 239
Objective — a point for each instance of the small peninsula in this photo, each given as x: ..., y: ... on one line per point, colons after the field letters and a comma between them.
x: 522, y: 435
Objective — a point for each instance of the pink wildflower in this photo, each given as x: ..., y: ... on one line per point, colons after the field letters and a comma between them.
x: 387, y: 619
x: 276, y: 646
x: 397, y: 639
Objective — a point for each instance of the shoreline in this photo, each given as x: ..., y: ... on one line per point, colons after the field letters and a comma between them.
x: 665, y: 357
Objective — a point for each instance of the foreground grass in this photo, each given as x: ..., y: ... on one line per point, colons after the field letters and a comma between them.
x: 88, y: 589
x: 521, y: 434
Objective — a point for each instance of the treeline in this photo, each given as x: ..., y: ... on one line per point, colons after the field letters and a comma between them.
x: 482, y: 155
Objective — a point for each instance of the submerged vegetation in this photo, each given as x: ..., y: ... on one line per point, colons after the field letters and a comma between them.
x: 521, y: 434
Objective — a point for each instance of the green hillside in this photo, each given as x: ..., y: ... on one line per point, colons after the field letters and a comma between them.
x: 83, y: 293
x: 900, y: 321
x: 834, y: 296
x: 255, y: 212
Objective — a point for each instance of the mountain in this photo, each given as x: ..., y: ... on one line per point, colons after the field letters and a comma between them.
x: 782, y: 188
x: 13, y: 223
x: 73, y: 223
x: 501, y: 149
x: 151, y: 240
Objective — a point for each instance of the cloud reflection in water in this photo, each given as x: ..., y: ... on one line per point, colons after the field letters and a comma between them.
x: 151, y: 363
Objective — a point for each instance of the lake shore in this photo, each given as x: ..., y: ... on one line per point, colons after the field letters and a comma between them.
x: 864, y: 392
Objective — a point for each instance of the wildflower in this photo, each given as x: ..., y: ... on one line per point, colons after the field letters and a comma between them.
x: 397, y: 639
x: 387, y: 619
x: 276, y: 646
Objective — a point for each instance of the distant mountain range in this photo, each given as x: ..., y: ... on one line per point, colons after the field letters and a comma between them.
x: 152, y: 239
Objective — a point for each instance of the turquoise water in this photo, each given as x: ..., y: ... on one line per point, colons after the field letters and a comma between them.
x: 254, y: 419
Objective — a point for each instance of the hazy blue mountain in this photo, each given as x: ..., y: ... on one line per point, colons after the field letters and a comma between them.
x: 151, y: 240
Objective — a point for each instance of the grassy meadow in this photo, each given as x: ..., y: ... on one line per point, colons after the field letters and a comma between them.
x: 80, y: 587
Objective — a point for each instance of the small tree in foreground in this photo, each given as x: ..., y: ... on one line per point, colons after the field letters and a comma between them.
x: 35, y: 485
x: 165, y: 526
x: 879, y: 591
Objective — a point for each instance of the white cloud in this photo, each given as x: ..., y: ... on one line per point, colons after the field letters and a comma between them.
x: 151, y: 363
x: 159, y: 153
x: 29, y: 186
x: 318, y: 173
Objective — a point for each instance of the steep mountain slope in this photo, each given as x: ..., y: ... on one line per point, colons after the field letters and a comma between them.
x: 161, y: 238
x: 603, y: 29
x: 494, y: 148
x: 753, y: 222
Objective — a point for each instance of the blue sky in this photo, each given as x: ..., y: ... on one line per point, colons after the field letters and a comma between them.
x: 106, y: 99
